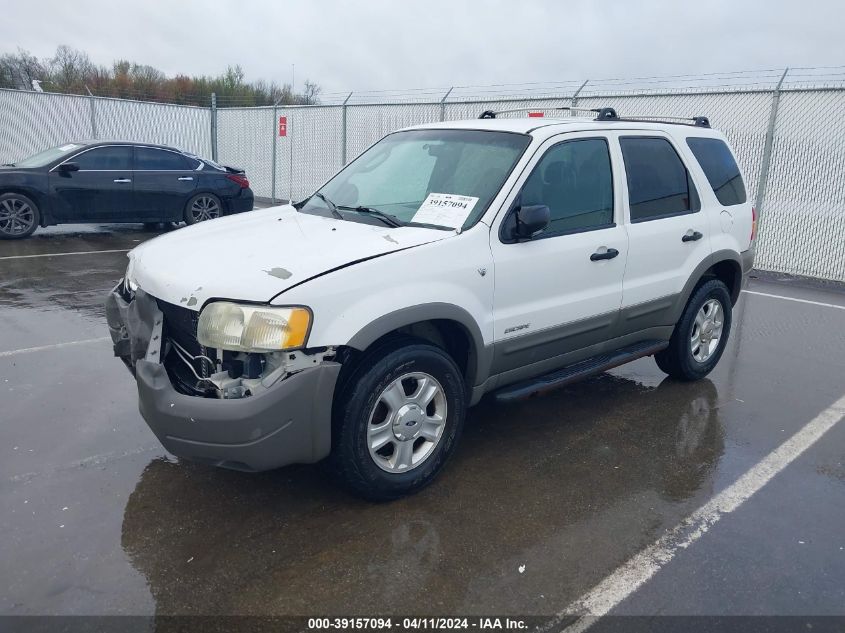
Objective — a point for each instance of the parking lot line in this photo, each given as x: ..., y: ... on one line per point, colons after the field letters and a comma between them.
x: 815, y: 303
x: 114, y: 250
x: 630, y: 576
x: 43, y: 348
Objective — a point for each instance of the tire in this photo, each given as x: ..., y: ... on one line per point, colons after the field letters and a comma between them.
x: 202, y: 207
x: 361, y: 408
x: 19, y: 216
x: 682, y: 359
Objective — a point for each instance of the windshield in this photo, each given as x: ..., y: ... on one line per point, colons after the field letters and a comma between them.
x: 46, y: 157
x: 442, y: 178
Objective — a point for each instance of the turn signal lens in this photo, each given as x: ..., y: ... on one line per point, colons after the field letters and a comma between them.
x: 753, y: 224
x: 246, y: 328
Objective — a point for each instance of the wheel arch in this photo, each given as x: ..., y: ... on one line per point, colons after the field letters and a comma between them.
x: 37, y: 197
x: 446, y: 325
x: 724, y: 265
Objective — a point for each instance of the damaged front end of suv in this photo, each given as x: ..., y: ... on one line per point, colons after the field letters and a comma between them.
x: 233, y: 384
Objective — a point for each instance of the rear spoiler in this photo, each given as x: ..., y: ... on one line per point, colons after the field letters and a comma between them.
x: 233, y: 170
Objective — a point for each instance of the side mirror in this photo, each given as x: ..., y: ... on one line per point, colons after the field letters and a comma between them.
x: 66, y: 168
x: 530, y: 220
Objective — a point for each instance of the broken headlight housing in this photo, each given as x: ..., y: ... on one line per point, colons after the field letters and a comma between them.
x: 253, y: 328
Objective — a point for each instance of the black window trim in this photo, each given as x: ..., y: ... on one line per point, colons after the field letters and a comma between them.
x: 93, y: 147
x: 690, y: 179
x: 544, y: 235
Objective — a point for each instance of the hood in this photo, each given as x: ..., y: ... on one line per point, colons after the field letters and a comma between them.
x: 257, y: 255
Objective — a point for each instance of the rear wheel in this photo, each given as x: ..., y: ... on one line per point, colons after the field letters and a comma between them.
x: 202, y: 207
x: 19, y: 216
x: 397, y: 419
x: 700, y: 335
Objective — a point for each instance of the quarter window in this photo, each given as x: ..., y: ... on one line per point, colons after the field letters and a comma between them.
x: 575, y: 181
x: 658, y: 183
x: 112, y: 158
x: 721, y: 169
x: 151, y: 159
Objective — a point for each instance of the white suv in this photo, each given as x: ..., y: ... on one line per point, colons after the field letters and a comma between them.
x: 448, y: 261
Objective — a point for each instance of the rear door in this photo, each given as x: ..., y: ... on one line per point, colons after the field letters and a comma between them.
x: 668, y: 230
x: 164, y: 180
x: 100, y: 191
x: 561, y: 291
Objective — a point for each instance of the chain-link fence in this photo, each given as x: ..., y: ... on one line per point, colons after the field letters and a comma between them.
x: 785, y: 127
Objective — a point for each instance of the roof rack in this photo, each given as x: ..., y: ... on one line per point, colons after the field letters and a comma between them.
x: 608, y: 114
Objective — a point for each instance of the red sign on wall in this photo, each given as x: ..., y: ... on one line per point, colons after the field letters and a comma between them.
x: 283, y: 126
x: 534, y: 115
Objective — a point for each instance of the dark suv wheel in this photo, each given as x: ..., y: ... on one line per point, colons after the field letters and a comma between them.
x: 700, y: 335
x: 19, y: 216
x: 397, y: 419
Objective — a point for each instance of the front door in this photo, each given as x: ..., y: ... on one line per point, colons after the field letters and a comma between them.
x: 561, y: 291
x: 100, y: 191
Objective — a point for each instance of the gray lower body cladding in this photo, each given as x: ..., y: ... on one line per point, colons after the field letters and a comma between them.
x: 289, y: 423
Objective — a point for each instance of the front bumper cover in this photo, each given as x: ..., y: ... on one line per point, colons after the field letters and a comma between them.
x: 289, y: 423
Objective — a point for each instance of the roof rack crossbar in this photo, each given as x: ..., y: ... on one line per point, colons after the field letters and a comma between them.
x: 606, y: 114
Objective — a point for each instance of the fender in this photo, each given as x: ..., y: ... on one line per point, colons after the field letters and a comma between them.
x: 480, y: 355
x: 710, y: 261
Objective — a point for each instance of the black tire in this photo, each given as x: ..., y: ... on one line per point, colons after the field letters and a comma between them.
x: 357, y: 398
x: 19, y: 216
x: 677, y: 360
x: 192, y: 216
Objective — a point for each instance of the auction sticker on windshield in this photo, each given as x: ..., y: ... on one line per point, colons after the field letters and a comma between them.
x: 445, y: 209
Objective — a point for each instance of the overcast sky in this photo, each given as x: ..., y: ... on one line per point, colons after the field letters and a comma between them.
x: 377, y: 44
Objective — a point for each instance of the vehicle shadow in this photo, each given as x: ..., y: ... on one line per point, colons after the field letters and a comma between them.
x: 586, y: 475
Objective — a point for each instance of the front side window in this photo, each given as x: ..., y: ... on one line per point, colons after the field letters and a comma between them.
x: 575, y: 181
x: 112, y: 158
x: 400, y: 172
x: 721, y: 169
x: 151, y: 159
x: 659, y: 184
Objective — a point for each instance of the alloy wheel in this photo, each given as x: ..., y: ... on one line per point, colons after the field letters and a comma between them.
x: 707, y: 330
x: 205, y: 208
x: 16, y: 216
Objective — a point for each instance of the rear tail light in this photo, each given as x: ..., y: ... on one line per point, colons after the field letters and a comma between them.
x: 238, y: 178
x: 753, y: 223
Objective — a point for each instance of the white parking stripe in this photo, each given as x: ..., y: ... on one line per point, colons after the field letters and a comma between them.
x: 611, y: 591
x: 114, y: 250
x: 815, y: 303
x: 44, y: 348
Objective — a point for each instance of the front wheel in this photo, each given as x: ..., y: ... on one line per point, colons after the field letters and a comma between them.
x: 700, y: 335
x: 19, y: 216
x: 202, y: 207
x: 397, y: 419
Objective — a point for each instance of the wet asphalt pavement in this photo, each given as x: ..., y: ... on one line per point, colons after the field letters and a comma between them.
x: 543, y: 499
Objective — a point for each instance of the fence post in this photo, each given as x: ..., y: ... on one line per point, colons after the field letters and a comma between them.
x: 574, y: 100
x: 343, y: 132
x: 763, y: 181
x: 273, y: 159
x: 214, y: 127
x: 93, y: 108
x: 443, y: 103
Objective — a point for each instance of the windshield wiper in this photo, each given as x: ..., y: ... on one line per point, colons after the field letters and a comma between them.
x: 331, y: 205
x: 389, y: 220
x: 7, y: 165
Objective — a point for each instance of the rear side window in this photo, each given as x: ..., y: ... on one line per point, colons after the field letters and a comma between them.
x: 151, y: 159
x: 112, y: 158
x: 575, y: 181
x: 720, y: 168
x: 659, y: 184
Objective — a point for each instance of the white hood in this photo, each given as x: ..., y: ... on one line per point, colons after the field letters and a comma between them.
x: 257, y: 255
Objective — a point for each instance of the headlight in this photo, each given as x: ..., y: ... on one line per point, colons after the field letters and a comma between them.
x: 246, y: 328
x: 129, y: 282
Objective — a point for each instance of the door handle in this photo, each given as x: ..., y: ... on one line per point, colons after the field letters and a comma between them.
x: 185, y: 178
x: 122, y: 180
x: 610, y: 253
x: 692, y: 237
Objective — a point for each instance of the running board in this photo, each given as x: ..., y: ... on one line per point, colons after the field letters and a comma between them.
x: 578, y: 371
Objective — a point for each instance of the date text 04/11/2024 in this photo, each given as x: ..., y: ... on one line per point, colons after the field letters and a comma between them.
x: 417, y: 623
